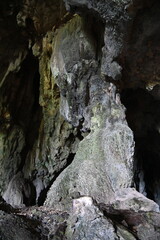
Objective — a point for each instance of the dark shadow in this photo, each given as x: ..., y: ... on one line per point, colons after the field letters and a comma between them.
x: 143, y: 116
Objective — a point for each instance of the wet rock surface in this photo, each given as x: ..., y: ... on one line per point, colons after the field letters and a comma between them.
x: 79, y: 120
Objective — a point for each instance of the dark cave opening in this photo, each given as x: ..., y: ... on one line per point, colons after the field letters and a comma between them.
x: 22, y: 99
x: 95, y: 28
x: 25, y: 107
x: 30, y: 199
x: 143, y: 116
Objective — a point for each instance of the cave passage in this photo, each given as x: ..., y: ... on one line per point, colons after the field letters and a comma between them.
x: 21, y: 93
x: 143, y: 116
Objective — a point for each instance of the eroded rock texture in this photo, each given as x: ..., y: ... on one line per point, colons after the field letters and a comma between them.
x: 79, y: 119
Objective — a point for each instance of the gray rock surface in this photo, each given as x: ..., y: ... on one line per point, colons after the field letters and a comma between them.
x: 87, y: 222
x: 70, y: 152
x: 91, y: 172
x: 10, y: 155
x: 108, y: 149
x: 130, y: 199
x: 73, y: 75
x: 15, y: 228
x: 17, y: 190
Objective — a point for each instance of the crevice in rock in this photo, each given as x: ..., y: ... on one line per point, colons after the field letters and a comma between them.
x: 124, y: 219
x: 61, y: 159
x: 143, y: 116
x: 26, y: 111
x: 70, y: 141
x: 44, y: 192
x: 29, y: 200
x: 95, y: 28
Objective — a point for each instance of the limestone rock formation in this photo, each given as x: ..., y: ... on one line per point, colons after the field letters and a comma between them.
x: 79, y: 119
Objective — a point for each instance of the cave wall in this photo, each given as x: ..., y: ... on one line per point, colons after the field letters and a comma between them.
x: 79, y: 115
